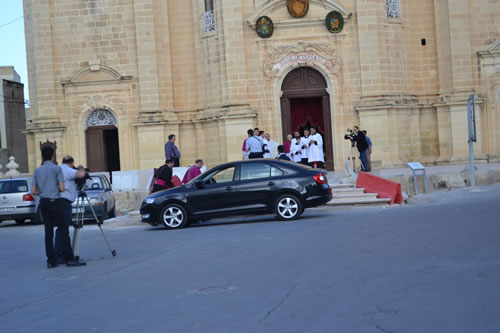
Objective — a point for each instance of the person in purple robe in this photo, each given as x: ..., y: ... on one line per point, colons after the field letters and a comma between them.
x: 193, y: 172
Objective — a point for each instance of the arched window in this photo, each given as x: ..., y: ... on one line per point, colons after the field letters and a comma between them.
x: 101, y: 118
x: 393, y: 8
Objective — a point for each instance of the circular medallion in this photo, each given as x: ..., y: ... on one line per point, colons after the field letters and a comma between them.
x: 334, y: 22
x: 297, y: 8
x: 264, y: 27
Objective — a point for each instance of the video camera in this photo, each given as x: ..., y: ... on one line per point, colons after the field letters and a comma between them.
x: 80, y: 182
x: 349, y: 135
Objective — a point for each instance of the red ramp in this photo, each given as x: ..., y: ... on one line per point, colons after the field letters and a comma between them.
x: 384, y: 187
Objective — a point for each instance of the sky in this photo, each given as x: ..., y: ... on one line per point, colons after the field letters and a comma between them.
x: 12, y: 41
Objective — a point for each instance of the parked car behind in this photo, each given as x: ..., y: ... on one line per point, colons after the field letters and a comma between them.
x: 16, y: 201
x: 101, y: 197
x: 239, y: 188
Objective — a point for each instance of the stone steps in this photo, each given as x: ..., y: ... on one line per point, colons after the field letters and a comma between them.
x: 348, y: 195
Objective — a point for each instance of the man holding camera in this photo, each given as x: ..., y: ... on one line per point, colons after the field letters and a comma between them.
x: 64, y: 252
x: 362, y: 146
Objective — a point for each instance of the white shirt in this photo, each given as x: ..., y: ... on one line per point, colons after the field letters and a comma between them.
x: 265, y: 143
x: 305, y: 142
x: 254, y: 145
x: 70, y: 191
x: 296, y: 150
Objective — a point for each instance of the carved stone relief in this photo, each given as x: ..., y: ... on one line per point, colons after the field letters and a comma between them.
x: 301, y: 54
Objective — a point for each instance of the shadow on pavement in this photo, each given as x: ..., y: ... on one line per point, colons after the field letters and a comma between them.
x: 239, y: 221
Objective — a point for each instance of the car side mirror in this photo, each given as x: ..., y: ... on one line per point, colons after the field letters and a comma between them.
x: 199, y: 184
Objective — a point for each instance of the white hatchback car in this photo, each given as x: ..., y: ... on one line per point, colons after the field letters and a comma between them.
x: 16, y: 201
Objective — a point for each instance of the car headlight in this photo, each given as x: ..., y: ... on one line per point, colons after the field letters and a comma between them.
x: 149, y: 200
x: 95, y: 201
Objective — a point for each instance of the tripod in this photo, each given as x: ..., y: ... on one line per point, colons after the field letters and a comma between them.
x: 353, y: 158
x: 81, y: 200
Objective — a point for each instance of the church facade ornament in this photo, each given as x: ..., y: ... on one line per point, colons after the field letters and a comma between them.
x: 101, y: 118
x: 301, y: 54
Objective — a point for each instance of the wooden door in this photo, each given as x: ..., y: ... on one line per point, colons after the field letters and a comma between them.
x: 95, y: 149
x: 305, y: 95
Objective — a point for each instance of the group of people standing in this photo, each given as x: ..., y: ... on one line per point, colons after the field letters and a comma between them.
x: 364, y: 145
x: 164, y: 177
x: 307, y: 149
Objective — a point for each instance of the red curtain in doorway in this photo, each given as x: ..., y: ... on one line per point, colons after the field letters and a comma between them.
x: 306, y: 112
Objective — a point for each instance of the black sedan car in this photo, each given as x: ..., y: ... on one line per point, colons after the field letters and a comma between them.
x: 239, y: 188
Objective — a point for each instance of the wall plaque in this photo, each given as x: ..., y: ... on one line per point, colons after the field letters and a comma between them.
x: 264, y: 27
x: 334, y: 22
x: 298, y: 8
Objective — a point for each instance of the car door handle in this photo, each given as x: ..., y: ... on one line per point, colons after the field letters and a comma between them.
x: 229, y: 188
x: 271, y: 184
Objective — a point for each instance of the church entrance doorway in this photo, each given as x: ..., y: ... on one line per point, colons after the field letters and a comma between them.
x: 305, y: 102
x: 103, y: 153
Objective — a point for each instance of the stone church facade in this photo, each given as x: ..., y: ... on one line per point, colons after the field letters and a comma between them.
x: 110, y: 80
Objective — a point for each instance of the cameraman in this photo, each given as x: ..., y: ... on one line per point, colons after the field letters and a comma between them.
x: 362, y: 146
x: 64, y: 252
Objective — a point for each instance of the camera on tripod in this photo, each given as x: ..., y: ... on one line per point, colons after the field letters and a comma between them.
x: 349, y: 135
x: 80, y: 182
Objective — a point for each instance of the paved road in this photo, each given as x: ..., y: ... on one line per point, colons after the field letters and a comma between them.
x: 423, y: 268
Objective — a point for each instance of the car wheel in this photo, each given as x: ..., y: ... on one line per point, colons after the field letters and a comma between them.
x: 20, y: 221
x: 112, y: 214
x: 288, y: 207
x: 174, y: 216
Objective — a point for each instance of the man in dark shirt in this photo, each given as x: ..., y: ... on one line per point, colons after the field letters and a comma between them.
x: 282, y: 154
x: 48, y: 182
x: 164, y: 177
x: 362, y: 146
x: 171, y: 151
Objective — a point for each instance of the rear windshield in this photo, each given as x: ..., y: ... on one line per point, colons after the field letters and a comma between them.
x: 94, y: 183
x: 13, y: 186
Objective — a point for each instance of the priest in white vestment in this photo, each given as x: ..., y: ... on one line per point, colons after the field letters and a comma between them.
x: 272, y: 145
x: 316, y: 157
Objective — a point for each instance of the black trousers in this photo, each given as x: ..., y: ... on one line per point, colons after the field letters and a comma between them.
x: 176, y: 161
x: 50, y: 209
x: 255, y: 155
x: 63, y: 242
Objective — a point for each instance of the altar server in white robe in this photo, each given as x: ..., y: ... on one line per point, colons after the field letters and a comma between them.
x: 316, y: 157
x: 305, y: 146
x: 265, y: 145
x: 296, y: 149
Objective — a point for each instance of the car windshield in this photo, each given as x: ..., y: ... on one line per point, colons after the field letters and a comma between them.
x: 13, y: 186
x: 94, y: 183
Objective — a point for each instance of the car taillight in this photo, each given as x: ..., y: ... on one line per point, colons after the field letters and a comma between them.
x: 320, y: 179
x: 28, y: 197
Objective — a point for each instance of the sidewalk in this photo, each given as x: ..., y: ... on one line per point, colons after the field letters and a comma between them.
x: 438, y: 176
